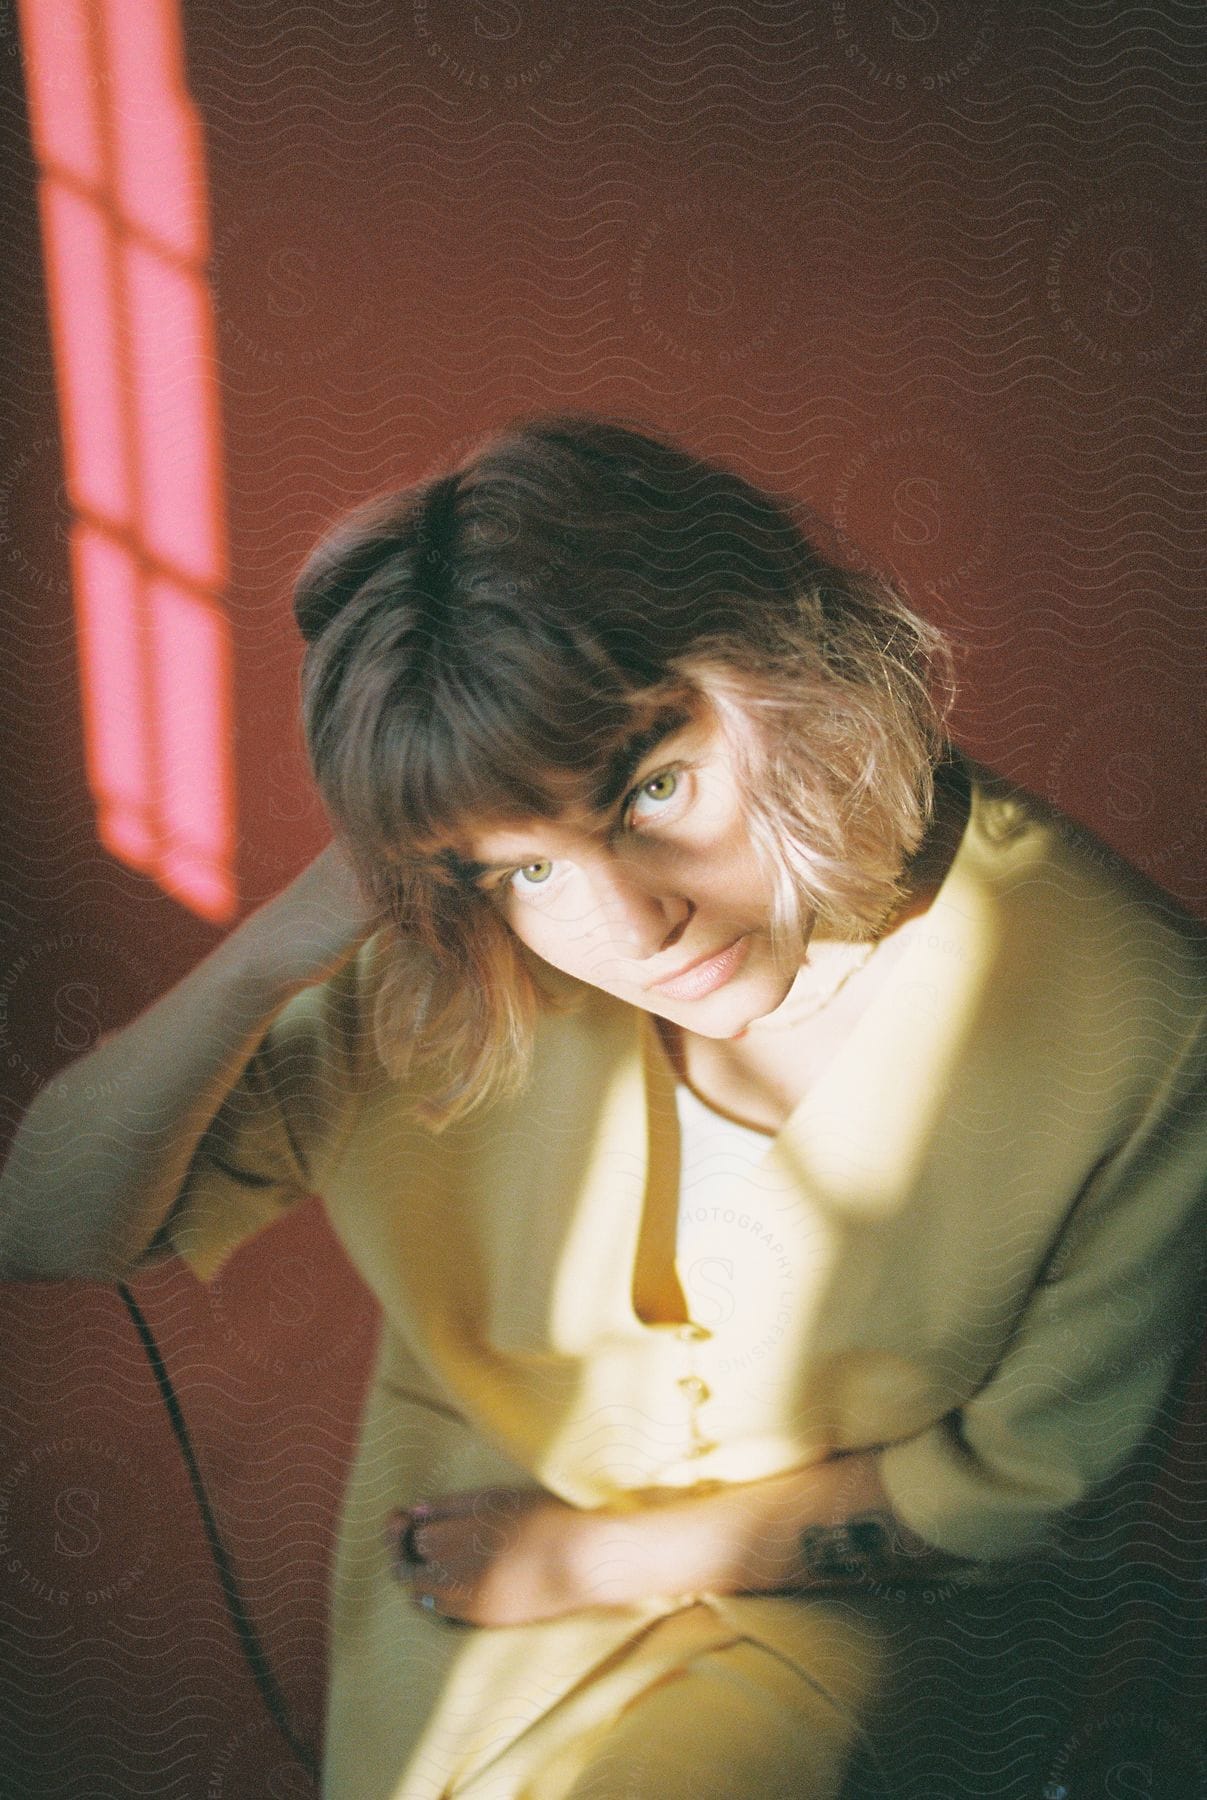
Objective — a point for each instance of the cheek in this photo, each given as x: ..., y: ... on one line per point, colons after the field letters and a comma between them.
x: 575, y: 946
x: 539, y: 932
x: 723, y: 875
x: 527, y: 928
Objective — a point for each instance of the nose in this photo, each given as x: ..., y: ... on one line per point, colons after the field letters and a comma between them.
x: 645, y: 918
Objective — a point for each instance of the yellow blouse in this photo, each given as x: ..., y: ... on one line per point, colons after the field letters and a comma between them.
x: 976, y: 1243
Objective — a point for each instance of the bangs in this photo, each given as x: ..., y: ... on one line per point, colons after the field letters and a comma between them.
x: 485, y: 739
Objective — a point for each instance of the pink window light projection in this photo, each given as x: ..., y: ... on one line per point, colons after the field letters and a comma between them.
x: 83, y: 295
x: 159, y: 165
x: 123, y: 206
x: 62, y: 90
x: 191, y: 679
x: 175, y: 423
x: 106, y: 584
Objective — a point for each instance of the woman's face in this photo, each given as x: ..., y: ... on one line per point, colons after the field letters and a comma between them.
x: 661, y: 901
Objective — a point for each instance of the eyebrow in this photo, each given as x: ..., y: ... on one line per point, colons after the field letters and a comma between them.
x: 610, y: 787
x: 466, y: 870
x: 624, y: 762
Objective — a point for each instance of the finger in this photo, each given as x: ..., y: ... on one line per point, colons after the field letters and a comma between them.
x: 439, y: 1594
x: 463, y: 1503
x: 398, y: 1534
x: 436, y: 1606
x: 440, y: 1556
x: 483, y: 1524
x: 436, y: 1582
x: 409, y: 1564
x: 400, y: 1543
x: 404, y: 1518
x: 408, y: 1551
x: 419, y: 1542
x: 416, y: 1548
x: 450, y: 1542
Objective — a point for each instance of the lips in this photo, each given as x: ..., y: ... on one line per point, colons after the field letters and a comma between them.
x: 706, y: 975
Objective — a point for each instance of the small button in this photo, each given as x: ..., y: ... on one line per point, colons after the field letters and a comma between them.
x: 692, y: 1333
x: 695, y: 1389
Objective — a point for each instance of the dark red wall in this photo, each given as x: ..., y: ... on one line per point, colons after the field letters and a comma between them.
x: 938, y: 270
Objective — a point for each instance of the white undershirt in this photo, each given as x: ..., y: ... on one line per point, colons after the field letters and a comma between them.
x: 704, y: 1135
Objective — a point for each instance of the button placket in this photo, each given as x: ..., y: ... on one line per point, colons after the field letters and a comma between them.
x: 694, y: 1388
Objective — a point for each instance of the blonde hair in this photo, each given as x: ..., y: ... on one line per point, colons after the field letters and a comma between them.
x: 481, y: 645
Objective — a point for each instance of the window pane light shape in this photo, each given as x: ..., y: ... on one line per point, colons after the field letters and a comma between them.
x: 156, y: 139
x: 174, y: 413
x: 107, y: 584
x: 61, y: 87
x: 124, y: 220
x: 190, y: 684
x: 79, y: 253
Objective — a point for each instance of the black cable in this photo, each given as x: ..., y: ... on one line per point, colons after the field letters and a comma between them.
x: 252, y: 1648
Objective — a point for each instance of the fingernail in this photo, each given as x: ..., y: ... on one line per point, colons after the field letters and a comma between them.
x: 420, y: 1511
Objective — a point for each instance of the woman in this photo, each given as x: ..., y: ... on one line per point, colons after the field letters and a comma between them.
x: 773, y: 1141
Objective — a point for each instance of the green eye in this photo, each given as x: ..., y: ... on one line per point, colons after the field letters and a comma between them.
x: 536, y: 872
x: 653, y: 794
x: 661, y: 787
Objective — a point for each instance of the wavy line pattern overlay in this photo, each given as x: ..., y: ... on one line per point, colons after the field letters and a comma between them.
x: 937, y: 269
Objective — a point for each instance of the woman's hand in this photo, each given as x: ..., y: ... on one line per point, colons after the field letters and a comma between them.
x: 490, y: 1556
x: 511, y: 1556
x: 316, y: 923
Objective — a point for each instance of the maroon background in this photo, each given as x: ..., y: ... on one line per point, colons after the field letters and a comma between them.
x: 938, y: 270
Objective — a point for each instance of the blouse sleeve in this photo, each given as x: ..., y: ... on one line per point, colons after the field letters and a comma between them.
x: 1093, y: 1352
x: 280, y: 1127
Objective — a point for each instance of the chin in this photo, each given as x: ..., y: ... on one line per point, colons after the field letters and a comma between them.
x: 729, y: 1015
